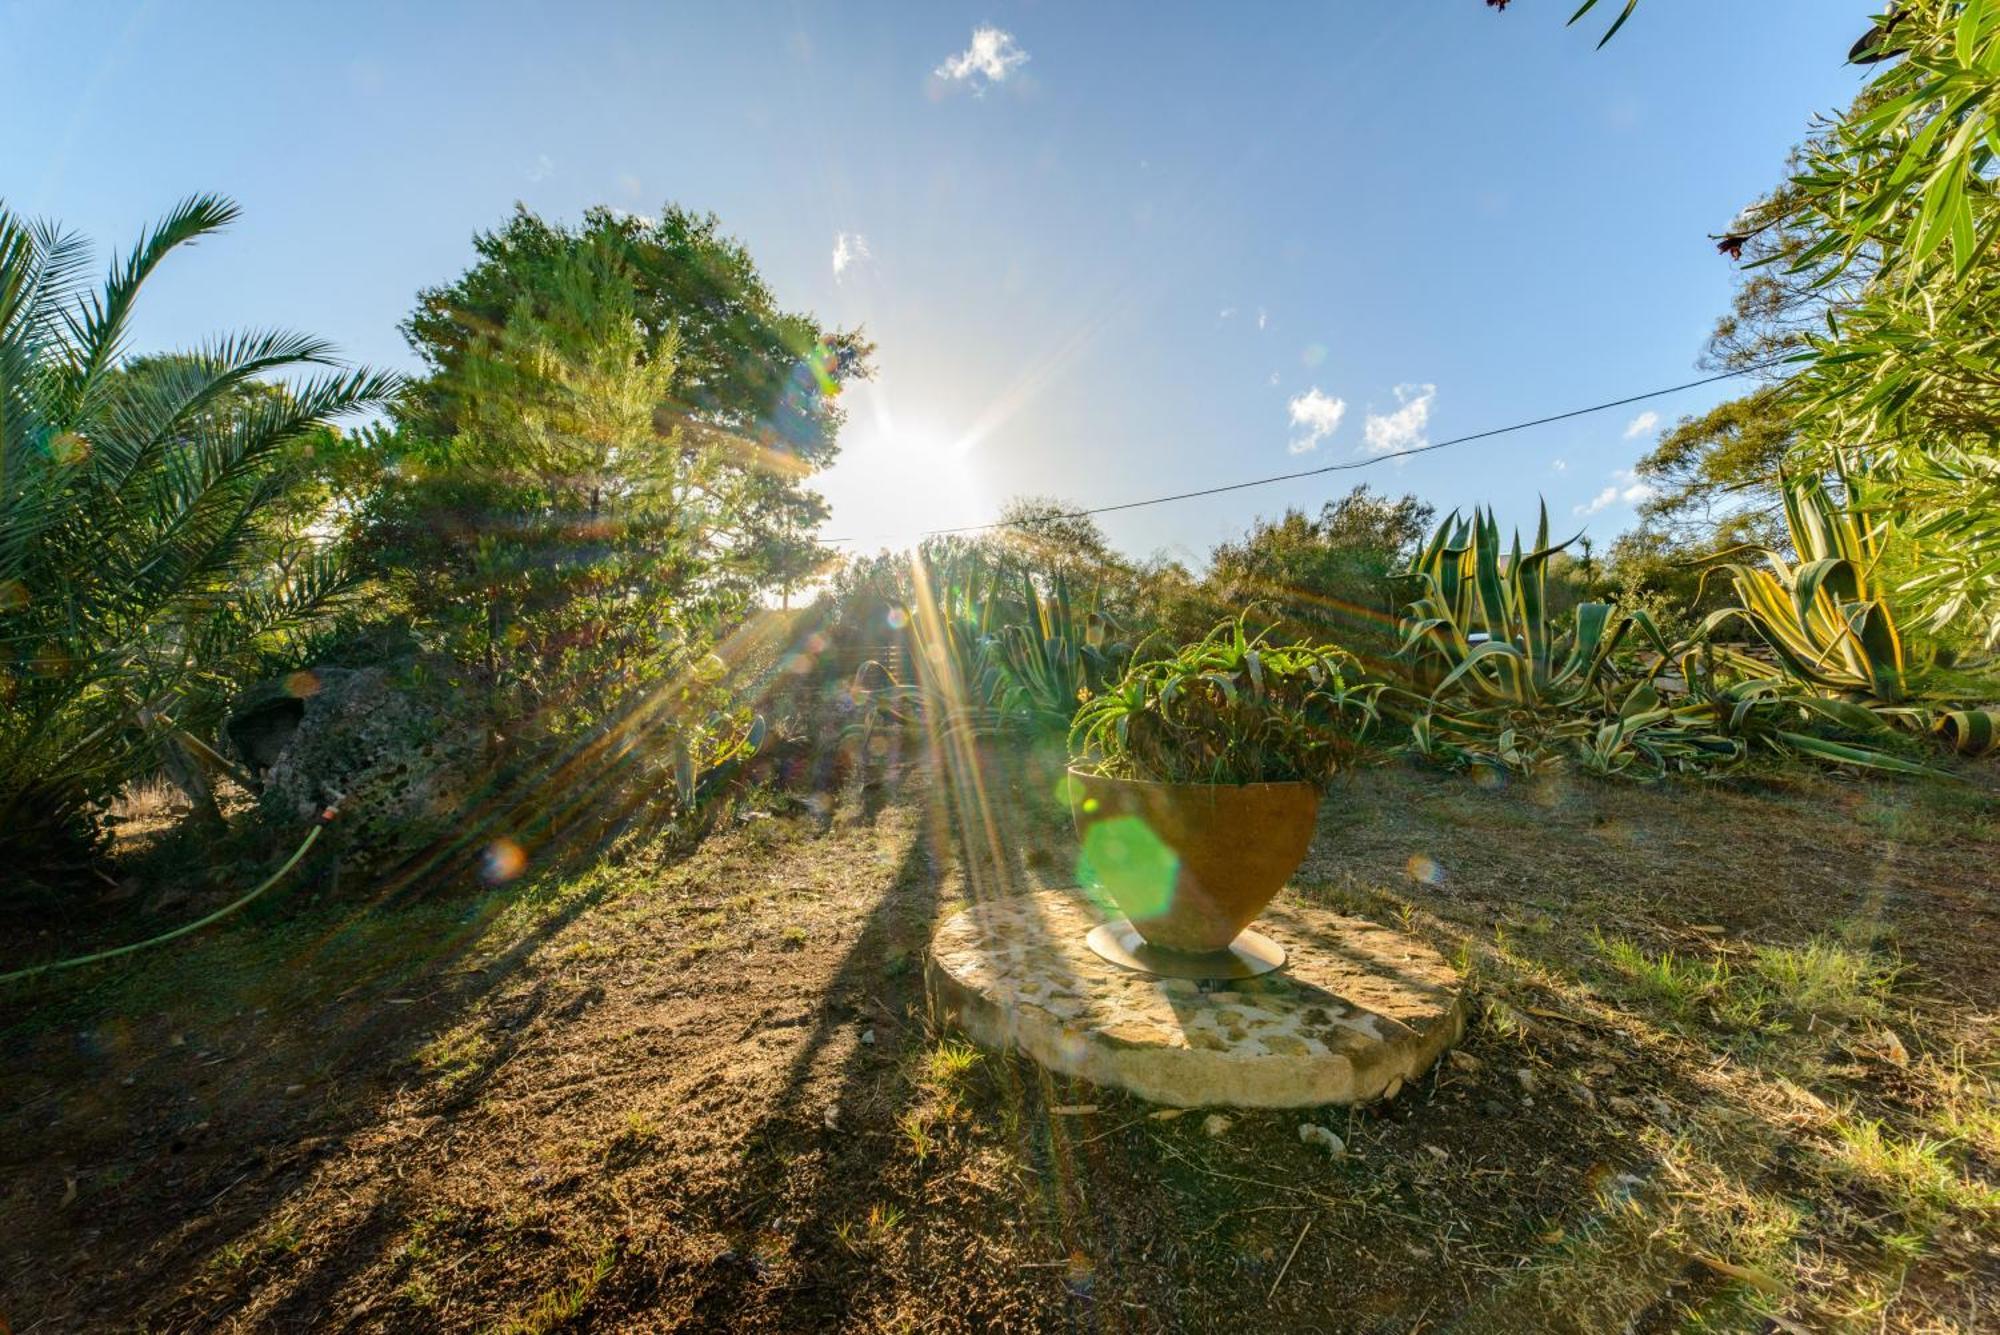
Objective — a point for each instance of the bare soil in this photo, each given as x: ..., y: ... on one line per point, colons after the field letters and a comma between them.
x: 699, y: 1091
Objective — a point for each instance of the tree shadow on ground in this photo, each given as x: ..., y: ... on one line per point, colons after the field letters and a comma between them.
x: 193, y: 1167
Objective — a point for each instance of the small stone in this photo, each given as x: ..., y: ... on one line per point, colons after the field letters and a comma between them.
x: 1494, y: 1108
x: 1215, y: 1124
x: 868, y: 1037
x: 1527, y: 1079
x: 1313, y: 1134
x: 1464, y: 1061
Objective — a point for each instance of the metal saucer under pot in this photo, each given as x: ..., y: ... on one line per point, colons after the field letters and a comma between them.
x: 1250, y: 954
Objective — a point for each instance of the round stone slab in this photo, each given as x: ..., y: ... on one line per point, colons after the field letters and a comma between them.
x: 1356, y: 1008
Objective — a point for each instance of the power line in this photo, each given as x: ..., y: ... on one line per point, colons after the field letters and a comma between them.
x: 1363, y: 463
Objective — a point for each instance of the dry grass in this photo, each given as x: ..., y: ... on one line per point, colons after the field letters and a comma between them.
x: 1734, y: 1070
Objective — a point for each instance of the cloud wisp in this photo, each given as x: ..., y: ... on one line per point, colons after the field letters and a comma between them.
x: 1315, y: 414
x: 848, y: 248
x: 1641, y: 424
x: 993, y: 55
x: 1626, y: 486
x: 1403, y: 429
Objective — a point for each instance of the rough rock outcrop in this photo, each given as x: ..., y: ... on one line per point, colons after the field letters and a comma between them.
x: 394, y: 758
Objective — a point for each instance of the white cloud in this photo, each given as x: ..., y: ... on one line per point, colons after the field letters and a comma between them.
x: 1394, y: 433
x: 1318, y: 414
x: 993, y: 55
x: 1226, y: 313
x: 1626, y: 486
x: 1603, y: 500
x: 1263, y: 317
x: 848, y: 248
x: 544, y: 167
x: 1559, y: 465
x: 1641, y: 424
x: 1274, y: 377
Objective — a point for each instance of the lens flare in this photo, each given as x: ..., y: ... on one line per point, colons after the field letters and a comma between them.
x: 502, y: 861
x: 1424, y: 870
x: 1124, y: 856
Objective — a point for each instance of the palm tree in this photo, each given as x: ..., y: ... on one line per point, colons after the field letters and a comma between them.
x: 143, y: 509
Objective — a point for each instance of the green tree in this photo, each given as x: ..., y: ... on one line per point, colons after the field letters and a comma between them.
x: 561, y: 544
x: 1329, y: 576
x: 1898, y: 396
x: 754, y: 388
x: 1049, y: 537
x: 151, y: 543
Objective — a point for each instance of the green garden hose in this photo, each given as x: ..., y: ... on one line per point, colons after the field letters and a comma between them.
x: 312, y: 836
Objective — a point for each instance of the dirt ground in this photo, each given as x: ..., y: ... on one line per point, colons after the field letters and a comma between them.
x: 1732, y: 1069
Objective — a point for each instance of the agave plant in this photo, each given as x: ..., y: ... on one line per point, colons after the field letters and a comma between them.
x: 1824, y: 615
x: 1231, y: 708
x: 1054, y: 658
x: 995, y: 653
x: 1480, y: 633
x: 142, y: 553
x: 1827, y: 620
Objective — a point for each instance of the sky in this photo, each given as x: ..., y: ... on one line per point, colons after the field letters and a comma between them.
x: 1105, y: 251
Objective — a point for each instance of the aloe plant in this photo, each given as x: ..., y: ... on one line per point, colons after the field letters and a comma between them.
x: 1230, y: 708
x: 1054, y: 658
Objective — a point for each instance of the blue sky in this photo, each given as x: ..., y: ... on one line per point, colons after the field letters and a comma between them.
x: 1106, y: 251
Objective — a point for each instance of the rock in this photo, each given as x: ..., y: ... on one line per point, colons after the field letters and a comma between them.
x: 1215, y: 1124
x: 1464, y: 1061
x: 1311, y: 1133
x: 1528, y: 1081
x: 1495, y: 1108
x: 868, y: 1037
x: 398, y: 761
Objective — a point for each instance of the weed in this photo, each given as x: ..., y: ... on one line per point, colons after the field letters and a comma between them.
x: 1824, y: 979
x: 915, y: 1126
x: 883, y: 1222
x: 559, y: 1306
x: 1676, y: 984
x: 950, y: 1062
x: 1915, y: 1174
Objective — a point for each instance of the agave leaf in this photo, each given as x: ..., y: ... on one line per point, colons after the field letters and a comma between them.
x: 1860, y: 756
x: 1969, y: 732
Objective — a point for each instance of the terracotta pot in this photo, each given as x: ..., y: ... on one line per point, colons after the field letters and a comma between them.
x: 1192, y: 864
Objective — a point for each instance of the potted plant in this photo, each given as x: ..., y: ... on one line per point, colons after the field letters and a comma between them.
x: 1195, y: 781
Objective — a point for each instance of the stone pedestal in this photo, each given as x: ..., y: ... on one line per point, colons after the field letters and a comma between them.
x: 1357, y: 1008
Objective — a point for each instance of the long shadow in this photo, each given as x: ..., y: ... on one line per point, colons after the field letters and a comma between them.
x: 897, y: 929
x: 884, y: 963
x: 354, y: 1038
